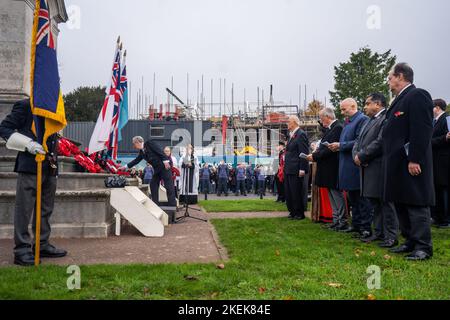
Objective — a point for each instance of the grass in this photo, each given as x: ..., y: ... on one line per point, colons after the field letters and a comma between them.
x: 270, y: 259
x: 257, y: 205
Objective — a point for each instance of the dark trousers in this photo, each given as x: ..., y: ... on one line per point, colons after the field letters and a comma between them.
x: 362, y: 211
x: 222, y: 186
x: 241, y: 187
x: 294, y: 195
x: 205, y: 186
x: 385, y: 219
x: 25, y: 206
x: 280, y: 189
x: 166, y: 176
x: 415, y: 226
x: 262, y: 187
x: 440, y: 212
x: 249, y: 185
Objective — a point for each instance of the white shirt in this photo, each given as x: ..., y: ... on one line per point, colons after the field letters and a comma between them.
x: 292, y: 134
x: 439, y: 116
x: 409, y: 85
x: 332, y: 124
x: 379, y: 113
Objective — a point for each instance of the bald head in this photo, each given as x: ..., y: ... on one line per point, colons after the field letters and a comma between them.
x: 349, y: 107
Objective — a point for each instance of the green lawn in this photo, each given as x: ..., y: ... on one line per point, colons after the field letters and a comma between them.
x: 256, y: 205
x: 270, y: 259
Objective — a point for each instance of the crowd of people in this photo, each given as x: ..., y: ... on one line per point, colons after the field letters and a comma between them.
x: 384, y: 170
x: 389, y: 165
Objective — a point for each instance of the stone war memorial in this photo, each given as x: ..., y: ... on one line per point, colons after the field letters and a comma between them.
x: 190, y: 153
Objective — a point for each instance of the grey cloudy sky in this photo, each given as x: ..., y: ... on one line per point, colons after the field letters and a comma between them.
x: 251, y: 42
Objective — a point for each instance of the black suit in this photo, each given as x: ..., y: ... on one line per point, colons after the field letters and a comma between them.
x: 441, y: 163
x: 327, y: 175
x: 369, y: 150
x: 294, y: 192
x: 410, y: 120
x: 20, y: 120
x: 154, y: 155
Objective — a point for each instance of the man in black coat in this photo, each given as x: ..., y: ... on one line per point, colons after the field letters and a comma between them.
x: 367, y: 154
x: 441, y: 163
x: 408, y: 162
x: 16, y: 130
x: 295, y: 169
x: 327, y: 175
x: 162, y: 164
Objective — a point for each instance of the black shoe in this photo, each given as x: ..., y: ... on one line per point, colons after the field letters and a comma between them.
x: 388, y: 244
x: 402, y: 249
x: 341, y: 227
x: 418, y: 256
x: 25, y: 260
x: 367, y: 237
x: 444, y: 226
x: 52, y: 252
x: 299, y: 218
x: 349, y: 230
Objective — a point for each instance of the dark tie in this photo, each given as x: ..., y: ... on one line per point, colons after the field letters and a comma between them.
x: 434, y: 123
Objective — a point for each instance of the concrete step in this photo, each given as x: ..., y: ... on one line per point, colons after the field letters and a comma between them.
x: 65, y: 164
x: 66, y: 181
x: 77, y: 214
x: 4, y: 151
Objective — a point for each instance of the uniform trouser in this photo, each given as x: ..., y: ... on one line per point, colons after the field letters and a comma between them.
x: 440, y: 212
x: 415, y: 226
x: 166, y: 176
x: 294, y: 195
x: 337, y: 202
x: 240, y: 186
x: 222, y: 186
x: 249, y: 185
x: 385, y: 219
x: 362, y: 211
x: 280, y: 189
x: 25, y: 206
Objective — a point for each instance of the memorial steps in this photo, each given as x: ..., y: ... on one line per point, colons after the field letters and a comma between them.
x: 82, y: 203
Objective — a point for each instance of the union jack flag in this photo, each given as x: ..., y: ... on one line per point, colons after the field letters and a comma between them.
x: 117, y: 93
x: 45, y: 33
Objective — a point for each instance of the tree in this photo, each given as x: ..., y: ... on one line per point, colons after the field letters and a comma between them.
x: 84, y: 103
x: 448, y: 109
x: 365, y: 73
x: 314, y: 108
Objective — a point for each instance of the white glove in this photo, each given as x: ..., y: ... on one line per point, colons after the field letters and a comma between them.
x: 123, y: 169
x: 22, y: 143
x: 35, y: 148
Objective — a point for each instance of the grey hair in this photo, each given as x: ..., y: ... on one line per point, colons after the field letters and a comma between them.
x: 138, y: 139
x: 295, y: 119
x: 328, y: 112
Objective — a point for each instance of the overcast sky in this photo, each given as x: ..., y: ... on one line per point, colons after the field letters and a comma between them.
x: 251, y: 43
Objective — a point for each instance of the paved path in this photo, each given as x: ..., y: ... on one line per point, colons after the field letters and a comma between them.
x: 191, y: 241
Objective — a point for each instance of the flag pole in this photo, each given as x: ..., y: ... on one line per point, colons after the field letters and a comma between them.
x: 38, y: 213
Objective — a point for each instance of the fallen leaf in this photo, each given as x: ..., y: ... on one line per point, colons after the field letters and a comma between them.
x: 288, y: 298
x: 214, y: 295
x: 371, y: 297
x: 262, y: 290
x: 387, y: 257
x: 190, y: 278
x: 221, y: 266
x: 335, y: 285
x: 373, y: 253
x: 277, y: 253
x: 146, y: 291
